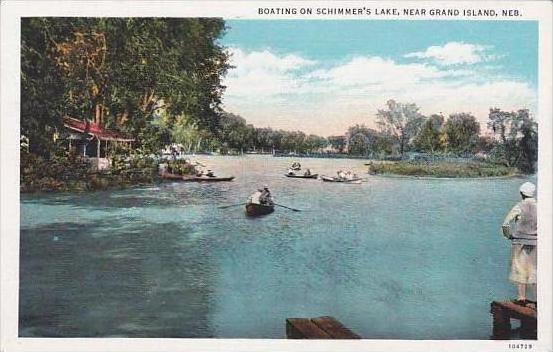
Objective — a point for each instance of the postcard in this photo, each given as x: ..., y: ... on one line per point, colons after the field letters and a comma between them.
x: 276, y: 175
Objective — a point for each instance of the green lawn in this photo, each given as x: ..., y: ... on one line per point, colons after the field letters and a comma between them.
x: 441, y: 169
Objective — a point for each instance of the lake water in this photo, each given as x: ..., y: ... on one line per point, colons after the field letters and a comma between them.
x: 393, y: 258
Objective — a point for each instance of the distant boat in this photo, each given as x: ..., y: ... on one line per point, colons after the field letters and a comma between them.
x: 254, y: 209
x: 341, y: 180
x: 302, y: 176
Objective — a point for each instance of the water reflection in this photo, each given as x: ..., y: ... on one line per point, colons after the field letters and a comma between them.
x: 145, y: 280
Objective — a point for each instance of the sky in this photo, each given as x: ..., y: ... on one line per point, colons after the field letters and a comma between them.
x: 323, y: 76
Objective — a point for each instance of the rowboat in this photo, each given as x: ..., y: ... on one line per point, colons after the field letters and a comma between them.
x: 341, y: 180
x: 187, y: 178
x: 254, y: 209
x: 206, y: 178
x: 302, y: 176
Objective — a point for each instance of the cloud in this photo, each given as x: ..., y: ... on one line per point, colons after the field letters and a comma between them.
x: 454, y: 53
x: 292, y: 92
x: 263, y: 74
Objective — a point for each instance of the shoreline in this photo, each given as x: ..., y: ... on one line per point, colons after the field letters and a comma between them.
x: 449, y: 177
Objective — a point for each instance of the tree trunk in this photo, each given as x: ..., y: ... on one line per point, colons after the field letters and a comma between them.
x: 98, y: 114
x: 147, y: 100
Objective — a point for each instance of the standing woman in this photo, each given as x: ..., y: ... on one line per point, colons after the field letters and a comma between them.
x: 524, y: 241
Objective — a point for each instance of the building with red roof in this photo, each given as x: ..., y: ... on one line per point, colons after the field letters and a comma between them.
x: 92, y: 140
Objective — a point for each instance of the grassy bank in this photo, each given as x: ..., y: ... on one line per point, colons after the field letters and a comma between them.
x: 441, y: 169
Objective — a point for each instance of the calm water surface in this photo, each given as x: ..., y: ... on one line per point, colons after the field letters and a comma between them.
x: 390, y: 258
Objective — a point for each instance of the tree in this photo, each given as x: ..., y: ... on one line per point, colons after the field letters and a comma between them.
x: 337, y: 142
x: 233, y: 131
x: 518, y: 138
x: 486, y: 145
x: 502, y: 125
x: 401, y: 121
x: 360, y: 139
x: 429, y: 139
x: 117, y: 72
x: 528, y: 145
x: 81, y: 59
x: 314, y: 143
x: 42, y: 87
x: 462, y: 132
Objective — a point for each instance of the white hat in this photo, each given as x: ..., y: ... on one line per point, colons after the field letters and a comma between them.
x: 528, y: 189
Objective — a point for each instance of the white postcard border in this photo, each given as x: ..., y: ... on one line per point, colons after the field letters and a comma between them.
x: 12, y: 11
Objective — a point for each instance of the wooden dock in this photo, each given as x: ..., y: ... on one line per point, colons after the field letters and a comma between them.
x: 504, y: 311
x: 317, y: 328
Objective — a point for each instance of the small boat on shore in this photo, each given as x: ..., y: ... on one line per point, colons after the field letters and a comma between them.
x: 302, y: 176
x: 341, y: 180
x: 206, y: 178
x: 254, y: 209
x: 190, y: 178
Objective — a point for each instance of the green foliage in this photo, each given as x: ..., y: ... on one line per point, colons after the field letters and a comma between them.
x: 313, y: 143
x: 442, y: 169
x: 181, y: 167
x: 187, y: 133
x: 153, y: 138
x: 117, y: 72
x: 362, y: 140
x: 337, y: 142
x: 400, y: 121
x: 430, y: 138
x: 41, y: 87
x: 461, y: 132
x: 236, y: 134
x: 518, y: 138
x: 118, y: 155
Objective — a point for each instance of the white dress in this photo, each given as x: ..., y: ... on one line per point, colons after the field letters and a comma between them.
x: 524, y: 240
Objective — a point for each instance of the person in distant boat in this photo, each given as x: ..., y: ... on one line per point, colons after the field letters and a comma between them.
x: 291, y: 171
x: 210, y: 173
x: 349, y: 176
x: 265, y: 197
x: 341, y: 174
x: 524, y: 242
x: 307, y: 172
x: 296, y: 166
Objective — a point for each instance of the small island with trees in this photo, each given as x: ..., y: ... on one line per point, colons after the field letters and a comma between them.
x: 101, y: 98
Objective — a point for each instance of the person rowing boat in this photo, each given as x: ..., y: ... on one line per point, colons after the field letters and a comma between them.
x: 260, y: 202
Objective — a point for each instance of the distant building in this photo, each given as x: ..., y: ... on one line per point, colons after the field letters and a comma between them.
x: 91, y: 140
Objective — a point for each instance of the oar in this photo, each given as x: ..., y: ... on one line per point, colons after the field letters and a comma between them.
x: 232, y: 205
x: 284, y: 206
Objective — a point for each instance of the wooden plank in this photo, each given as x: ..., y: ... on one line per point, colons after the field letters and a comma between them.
x: 501, y: 328
x: 334, y: 328
x: 503, y: 312
x: 302, y: 328
x: 516, y: 311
